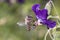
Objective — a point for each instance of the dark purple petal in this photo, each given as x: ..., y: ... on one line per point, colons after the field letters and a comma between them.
x: 49, y: 23
x: 42, y: 14
x: 35, y: 7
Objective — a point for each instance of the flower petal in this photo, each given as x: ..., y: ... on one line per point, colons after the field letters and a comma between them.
x: 42, y: 14
x: 49, y: 23
x: 35, y: 7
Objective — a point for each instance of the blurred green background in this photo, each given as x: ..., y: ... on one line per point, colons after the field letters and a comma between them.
x: 13, y: 12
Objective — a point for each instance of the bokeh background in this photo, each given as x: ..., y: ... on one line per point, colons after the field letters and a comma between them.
x: 13, y: 11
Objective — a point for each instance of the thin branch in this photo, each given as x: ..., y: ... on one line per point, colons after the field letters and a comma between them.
x: 47, y: 33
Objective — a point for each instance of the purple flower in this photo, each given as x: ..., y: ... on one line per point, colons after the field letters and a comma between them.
x: 20, y: 1
x: 41, y: 15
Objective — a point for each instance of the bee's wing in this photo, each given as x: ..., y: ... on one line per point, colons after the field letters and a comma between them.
x: 21, y: 23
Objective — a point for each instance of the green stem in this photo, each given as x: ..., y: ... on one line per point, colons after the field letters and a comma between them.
x: 55, y: 10
x: 47, y: 33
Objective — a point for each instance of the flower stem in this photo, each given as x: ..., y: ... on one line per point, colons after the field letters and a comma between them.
x: 51, y: 36
x: 47, y: 34
x: 55, y: 10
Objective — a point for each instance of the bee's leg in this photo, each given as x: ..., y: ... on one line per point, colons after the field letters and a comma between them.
x: 29, y: 26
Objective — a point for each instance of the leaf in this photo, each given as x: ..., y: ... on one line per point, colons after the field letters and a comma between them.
x: 48, y: 6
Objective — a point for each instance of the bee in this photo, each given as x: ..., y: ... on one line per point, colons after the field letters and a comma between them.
x: 30, y: 23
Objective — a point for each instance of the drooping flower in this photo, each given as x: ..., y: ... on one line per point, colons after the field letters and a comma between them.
x: 41, y: 15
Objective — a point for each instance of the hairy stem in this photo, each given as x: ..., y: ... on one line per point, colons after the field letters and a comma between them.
x: 47, y: 33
